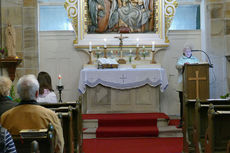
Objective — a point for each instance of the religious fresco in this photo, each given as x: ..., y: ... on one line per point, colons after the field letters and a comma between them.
x: 122, y: 16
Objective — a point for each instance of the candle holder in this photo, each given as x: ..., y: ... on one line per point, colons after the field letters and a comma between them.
x: 105, y: 52
x: 60, y: 88
x: 137, y: 58
x: 90, y: 58
x: 153, y: 57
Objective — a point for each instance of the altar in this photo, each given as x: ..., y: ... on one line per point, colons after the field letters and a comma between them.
x: 122, y: 90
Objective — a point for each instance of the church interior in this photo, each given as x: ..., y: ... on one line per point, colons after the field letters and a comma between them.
x: 113, y: 65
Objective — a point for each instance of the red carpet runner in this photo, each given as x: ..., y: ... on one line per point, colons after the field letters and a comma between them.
x: 126, y: 125
x: 133, y: 145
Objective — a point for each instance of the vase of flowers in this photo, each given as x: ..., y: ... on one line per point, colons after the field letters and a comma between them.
x: 2, y: 53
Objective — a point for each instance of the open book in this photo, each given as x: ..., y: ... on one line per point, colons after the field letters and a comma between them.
x: 107, y: 63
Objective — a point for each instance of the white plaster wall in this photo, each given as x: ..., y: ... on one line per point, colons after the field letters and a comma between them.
x: 169, y: 100
x: 58, y: 56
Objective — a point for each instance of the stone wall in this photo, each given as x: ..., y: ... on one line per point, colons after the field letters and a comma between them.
x: 218, y: 44
x: 22, y: 14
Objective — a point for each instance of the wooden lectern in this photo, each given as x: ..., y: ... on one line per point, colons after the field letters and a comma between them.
x: 196, y: 81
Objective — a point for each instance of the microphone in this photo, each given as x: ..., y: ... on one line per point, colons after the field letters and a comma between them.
x: 209, y: 61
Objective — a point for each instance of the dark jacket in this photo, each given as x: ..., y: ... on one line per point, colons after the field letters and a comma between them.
x: 5, y: 104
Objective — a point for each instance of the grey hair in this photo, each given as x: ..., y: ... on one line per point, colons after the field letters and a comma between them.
x: 27, y: 87
x: 187, y: 47
x: 5, y: 86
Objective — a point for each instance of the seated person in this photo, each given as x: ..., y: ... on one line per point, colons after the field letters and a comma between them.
x: 29, y: 115
x: 5, y: 101
x: 46, y: 92
x: 186, y: 58
x: 6, y: 142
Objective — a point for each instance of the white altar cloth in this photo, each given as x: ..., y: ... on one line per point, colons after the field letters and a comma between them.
x: 123, y: 78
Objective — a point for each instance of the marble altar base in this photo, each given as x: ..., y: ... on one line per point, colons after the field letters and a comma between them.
x: 101, y: 99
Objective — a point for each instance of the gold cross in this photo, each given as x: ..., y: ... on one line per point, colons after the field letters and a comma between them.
x: 197, y: 79
x: 121, y: 40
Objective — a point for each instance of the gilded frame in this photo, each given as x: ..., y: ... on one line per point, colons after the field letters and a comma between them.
x: 77, y: 12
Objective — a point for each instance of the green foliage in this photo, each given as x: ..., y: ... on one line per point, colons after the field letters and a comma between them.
x: 225, y: 96
x: 13, y: 95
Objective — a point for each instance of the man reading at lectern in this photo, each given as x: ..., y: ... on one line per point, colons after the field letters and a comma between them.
x: 186, y: 58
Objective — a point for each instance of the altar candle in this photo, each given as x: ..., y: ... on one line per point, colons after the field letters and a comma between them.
x: 137, y: 42
x: 105, y: 43
x: 90, y: 46
x: 59, y: 80
x: 153, y: 45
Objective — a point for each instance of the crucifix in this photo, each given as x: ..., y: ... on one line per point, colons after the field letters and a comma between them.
x: 121, y: 60
x: 197, y: 79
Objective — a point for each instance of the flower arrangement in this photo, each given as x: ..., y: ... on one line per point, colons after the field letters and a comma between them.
x: 3, y: 52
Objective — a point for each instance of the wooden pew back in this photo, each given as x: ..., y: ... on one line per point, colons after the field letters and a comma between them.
x: 201, y: 120
x: 217, y: 134
x: 189, y: 119
x: 67, y: 123
x: 45, y: 140
x: 76, y: 120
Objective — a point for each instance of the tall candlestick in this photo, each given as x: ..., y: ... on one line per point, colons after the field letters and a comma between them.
x: 153, y: 45
x: 130, y: 51
x: 137, y: 42
x: 90, y: 46
x: 105, y: 46
x: 59, y: 80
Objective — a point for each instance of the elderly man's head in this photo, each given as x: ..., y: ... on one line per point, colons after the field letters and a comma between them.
x: 5, y: 86
x: 28, y: 87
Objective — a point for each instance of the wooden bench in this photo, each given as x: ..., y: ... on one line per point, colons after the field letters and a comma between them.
x: 217, y: 134
x: 189, y: 121
x: 67, y: 124
x: 228, y: 147
x: 76, y: 120
x: 34, y: 147
x: 201, y: 121
x: 44, y: 137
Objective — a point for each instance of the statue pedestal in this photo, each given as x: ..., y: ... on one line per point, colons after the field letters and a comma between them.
x: 10, y: 64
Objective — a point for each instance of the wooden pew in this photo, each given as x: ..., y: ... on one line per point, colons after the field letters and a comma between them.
x: 189, y: 119
x: 201, y: 120
x: 34, y: 147
x: 56, y: 105
x: 26, y: 137
x: 228, y: 147
x: 76, y: 117
x: 217, y: 134
x: 67, y: 124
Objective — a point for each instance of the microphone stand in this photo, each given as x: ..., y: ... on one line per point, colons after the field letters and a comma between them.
x: 209, y: 61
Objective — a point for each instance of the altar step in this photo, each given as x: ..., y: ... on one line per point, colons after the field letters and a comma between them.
x: 165, y: 130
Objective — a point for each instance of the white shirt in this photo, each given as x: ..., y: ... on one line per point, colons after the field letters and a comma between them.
x: 48, y: 96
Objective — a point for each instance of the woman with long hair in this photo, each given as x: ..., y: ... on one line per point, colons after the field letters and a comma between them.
x: 46, y: 92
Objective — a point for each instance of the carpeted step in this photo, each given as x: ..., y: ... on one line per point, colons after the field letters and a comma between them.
x: 127, y: 122
x: 125, y: 115
x: 127, y: 125
x: 126, y: 131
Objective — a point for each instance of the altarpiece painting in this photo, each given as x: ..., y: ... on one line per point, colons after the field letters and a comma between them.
x: 97, y: 20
